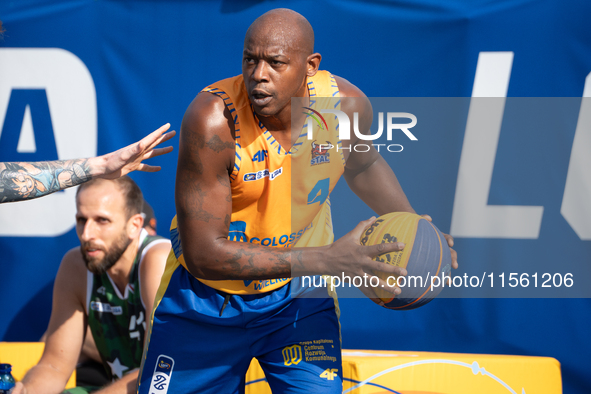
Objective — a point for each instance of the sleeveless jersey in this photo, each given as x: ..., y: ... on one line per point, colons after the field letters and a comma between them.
x: 118, y: 322
x: 279, y: 197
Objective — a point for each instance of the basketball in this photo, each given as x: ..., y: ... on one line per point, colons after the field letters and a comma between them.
x: 425, y: 256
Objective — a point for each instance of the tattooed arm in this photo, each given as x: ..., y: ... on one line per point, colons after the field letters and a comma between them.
x: 23, y: 181
x: 204, y: 206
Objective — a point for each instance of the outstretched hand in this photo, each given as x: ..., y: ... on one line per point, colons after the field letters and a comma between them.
x: 355, y: 259
x: 125, y: 160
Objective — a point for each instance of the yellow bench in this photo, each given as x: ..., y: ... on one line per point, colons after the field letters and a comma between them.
x: 373, y: 372
x: 23, y: 356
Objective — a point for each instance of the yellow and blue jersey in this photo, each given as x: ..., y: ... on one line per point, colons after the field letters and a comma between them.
x: 279, y: 197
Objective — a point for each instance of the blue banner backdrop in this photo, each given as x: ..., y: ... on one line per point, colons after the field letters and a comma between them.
x: 84, y: 77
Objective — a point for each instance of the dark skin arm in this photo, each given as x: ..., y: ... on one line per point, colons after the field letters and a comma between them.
x: 367, y: 173
x: 204, y: 206
x: 365, y: 170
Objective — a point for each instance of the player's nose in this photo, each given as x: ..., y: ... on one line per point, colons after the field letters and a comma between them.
x: 260, y: 73
x: 88, y: 231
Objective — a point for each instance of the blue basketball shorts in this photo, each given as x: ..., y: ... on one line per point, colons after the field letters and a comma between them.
x: 192, y: 349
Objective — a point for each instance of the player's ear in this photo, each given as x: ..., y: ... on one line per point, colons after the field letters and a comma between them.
x: 312, y: 64
x: 135, y: 225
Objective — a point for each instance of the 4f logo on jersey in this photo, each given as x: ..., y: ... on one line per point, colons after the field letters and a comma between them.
x: 329, y: 373
x: 260, y: 156
x: 292, y: 355
x: 320, y: 153
x: 162, y: 374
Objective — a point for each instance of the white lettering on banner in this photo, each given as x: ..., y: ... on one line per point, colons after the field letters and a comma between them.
x: 472, y: 216
x: 576, y: 201
x: 71, y: 98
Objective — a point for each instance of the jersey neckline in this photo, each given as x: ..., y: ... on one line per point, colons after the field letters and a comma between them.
x: 269, y: 136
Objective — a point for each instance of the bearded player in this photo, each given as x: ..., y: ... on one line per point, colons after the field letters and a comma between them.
x: 107, y: 284
x: 253, y: 215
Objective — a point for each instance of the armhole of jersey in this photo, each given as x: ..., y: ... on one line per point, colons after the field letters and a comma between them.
x: 326, y: 81
x: 238, y: 148
x: 144, y: 251
x: 89, y: 284
x: 334, y: 87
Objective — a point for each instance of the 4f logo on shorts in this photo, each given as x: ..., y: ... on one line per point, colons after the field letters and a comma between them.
x: 329, y: 374
x: 292, y: 355
x: 162, y: 374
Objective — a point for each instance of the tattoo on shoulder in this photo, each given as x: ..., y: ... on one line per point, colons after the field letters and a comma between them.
x: 22, y: 180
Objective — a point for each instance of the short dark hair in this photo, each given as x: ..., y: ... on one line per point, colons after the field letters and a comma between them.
x: 148, y: 212
x: 134, y: 200
x: 149, y: 217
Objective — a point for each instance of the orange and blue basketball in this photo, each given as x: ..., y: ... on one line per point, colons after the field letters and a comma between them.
x: 426, y: 255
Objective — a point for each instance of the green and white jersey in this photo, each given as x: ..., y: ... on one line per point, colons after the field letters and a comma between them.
x: 118, y: 321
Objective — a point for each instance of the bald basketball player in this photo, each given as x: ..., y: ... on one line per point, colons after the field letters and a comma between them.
x: 253, y: 216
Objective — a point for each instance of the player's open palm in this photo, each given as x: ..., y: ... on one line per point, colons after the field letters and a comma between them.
x: 128, y: 159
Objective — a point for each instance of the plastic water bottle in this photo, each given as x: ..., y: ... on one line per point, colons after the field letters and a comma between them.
x: 6, y: 379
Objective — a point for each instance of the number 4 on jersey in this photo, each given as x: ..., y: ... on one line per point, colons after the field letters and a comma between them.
x: 319, y: 192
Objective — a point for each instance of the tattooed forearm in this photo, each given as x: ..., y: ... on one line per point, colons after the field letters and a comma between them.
x: 22, y: 181
x: 297, y: 260
x: 242, y: 263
